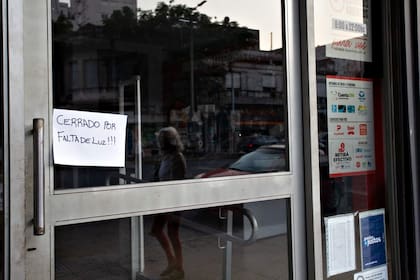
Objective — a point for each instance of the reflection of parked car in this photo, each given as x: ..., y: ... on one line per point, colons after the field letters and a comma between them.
x: 250, y: 143
x: 269, y: 158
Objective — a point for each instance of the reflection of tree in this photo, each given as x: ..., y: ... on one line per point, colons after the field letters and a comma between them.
x: 128, y: 41
x: 90, y: 62
x: 170, y: 26
x: 121, y: 24
x: 62, y: 25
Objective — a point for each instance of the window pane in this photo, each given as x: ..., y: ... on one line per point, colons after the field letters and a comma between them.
x: 209, y: 243
x: 211, y: 70
x: 349, y: 44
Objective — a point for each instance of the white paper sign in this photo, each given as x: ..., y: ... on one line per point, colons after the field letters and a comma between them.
x: 344, y: 28
x: 340, y: 244
x: 351, y: 135
x: 89, y: 139
x: 379, y: 273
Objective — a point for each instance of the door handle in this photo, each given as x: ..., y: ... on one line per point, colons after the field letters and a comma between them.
x: 229, y: 236
x: 39, y: 177
x: 254, y: 225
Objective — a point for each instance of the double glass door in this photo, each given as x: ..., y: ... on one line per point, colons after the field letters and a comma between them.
x: 166, y: 140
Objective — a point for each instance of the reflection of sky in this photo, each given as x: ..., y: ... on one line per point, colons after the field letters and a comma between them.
x: 327, y: 10
x: 264, y: 16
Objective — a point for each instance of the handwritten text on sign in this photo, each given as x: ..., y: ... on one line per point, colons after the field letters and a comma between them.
x: 89, y: 139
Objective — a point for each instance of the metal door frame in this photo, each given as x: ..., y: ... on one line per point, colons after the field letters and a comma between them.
x: 32, y: 257
x: 17, y: 131
x: 5, y: 133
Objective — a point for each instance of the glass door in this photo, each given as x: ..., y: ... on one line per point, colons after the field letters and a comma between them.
x: 351, y: 55
x: 162, y: 135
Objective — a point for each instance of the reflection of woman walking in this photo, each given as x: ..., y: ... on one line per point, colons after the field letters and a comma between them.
x: 172, y: 167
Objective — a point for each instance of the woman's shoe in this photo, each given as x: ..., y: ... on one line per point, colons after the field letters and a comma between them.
x: 168, y: 270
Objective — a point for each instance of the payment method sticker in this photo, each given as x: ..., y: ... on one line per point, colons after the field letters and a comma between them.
x: 351, y: 147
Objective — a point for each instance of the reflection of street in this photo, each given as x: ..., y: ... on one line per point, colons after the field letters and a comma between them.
x: 198, y: 166
x: 101, y: 250
x: 206, y: 77
x: 195, y: 165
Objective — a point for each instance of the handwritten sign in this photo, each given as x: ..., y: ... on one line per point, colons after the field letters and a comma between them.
x: 89, y: 139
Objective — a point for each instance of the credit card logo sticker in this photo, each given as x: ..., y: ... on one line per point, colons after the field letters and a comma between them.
x: 342, y: 108
x: 363, y: 130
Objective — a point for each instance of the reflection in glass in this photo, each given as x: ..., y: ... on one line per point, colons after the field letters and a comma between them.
x: 2, y: 218
x: 349, y: 76
x: 205, y: 68
x: 264, y: 159
x: 246, y: 241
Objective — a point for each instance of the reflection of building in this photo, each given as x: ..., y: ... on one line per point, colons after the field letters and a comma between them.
x: 253, y: 90
x: 89, y: 11
x: 92, y: 78
x: 235, y: 92
x: 93, y: 11
x: 243, y: 97
x: 82, y: 12
x: 255, y: 77
x: 92, y: 74
x: 59, y: 8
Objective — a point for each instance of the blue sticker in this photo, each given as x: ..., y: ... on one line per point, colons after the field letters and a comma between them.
x: 351, y: 109
x: 341, y: 108
x: 372, y: 237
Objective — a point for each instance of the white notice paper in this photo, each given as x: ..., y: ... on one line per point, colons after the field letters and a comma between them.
x: 89, y: 139
x: 344, y: 29
x: 379, y: 273
x: 340, y: 244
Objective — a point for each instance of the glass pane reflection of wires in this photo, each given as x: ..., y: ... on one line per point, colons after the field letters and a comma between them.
x: 213, y: 70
